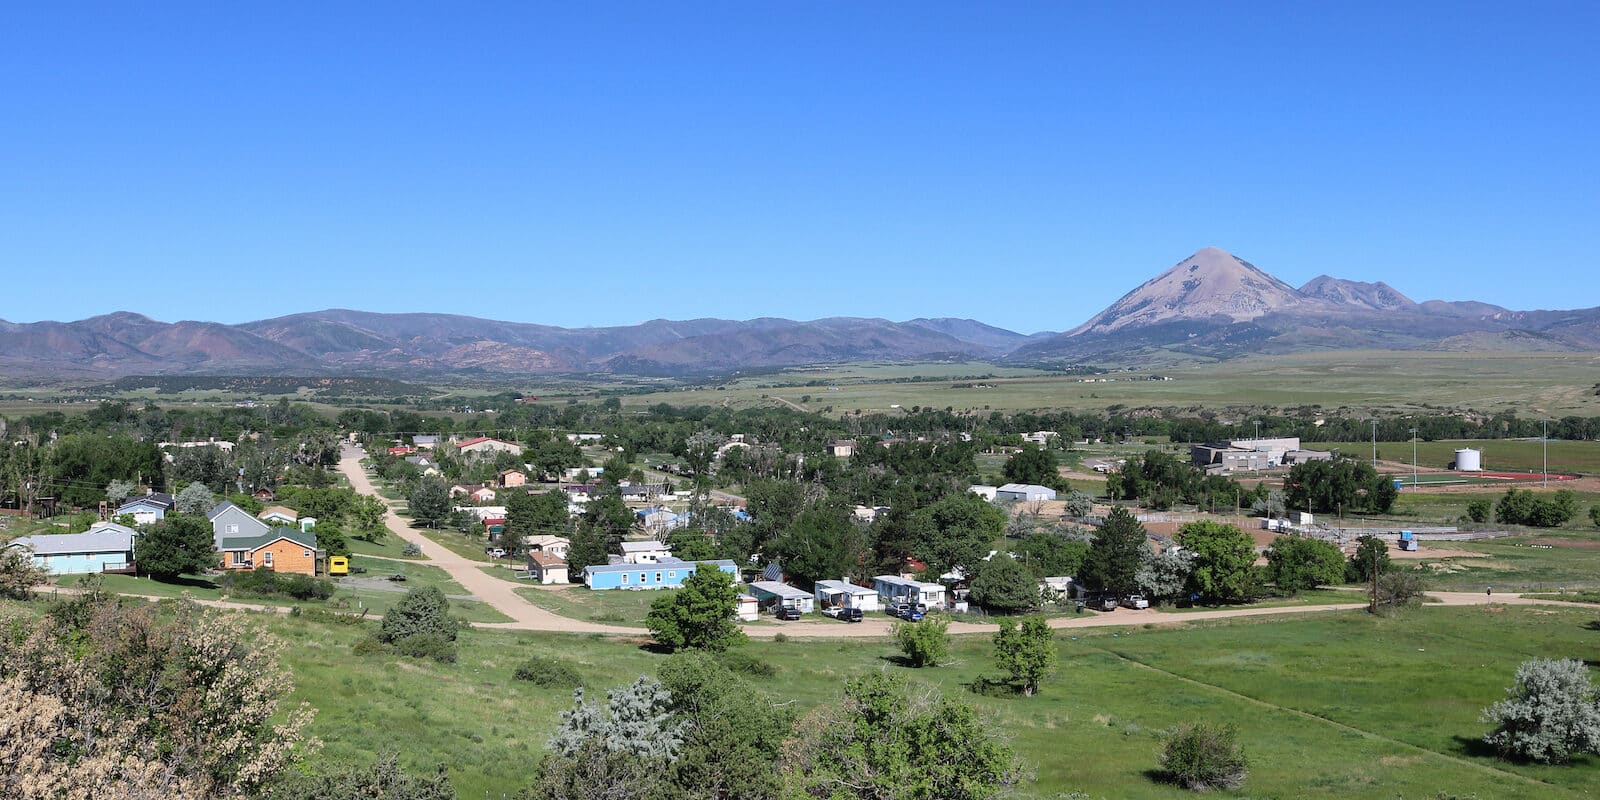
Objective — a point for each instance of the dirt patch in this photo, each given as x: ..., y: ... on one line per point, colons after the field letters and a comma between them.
x: 1425, y: 550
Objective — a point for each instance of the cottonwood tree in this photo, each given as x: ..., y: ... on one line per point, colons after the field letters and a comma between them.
x: 1297, y: 563
x: 886, y: 741
x: 177, y: 544
x: 700, y: 615
x: 1549, y: 715
x: 958, y: 531
x: 1005, y: 585
x: 1026, y: 652
x: 1224, y: 559
x: 429, y: 502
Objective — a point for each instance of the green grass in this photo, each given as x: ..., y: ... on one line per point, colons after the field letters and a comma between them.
x: 1499, y: 455
x: 579, y: 602
x: 1328, y: 705
x: 466, y: 545
x: 1314, y: 597
x: 1511, y: 564
x: 391, y: 547
x: 1570, y: 597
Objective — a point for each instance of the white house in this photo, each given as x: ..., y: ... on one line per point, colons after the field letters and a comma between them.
x: 895, y: 589
x: 554, y: 545
x: 546, y: 567
x: 845, y: 594
x: 644, y: 552
x: 749, y: 609
x: 769, y: 594
x: 148, y: 508
x: 1024, y: 492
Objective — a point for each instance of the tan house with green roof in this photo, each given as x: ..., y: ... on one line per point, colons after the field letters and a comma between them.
x: 282, y: 549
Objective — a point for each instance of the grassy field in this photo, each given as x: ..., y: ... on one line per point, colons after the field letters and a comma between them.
x: 1570, y: 561
x: 1333, y: 705
x: 578, y: 602
x: 391, y: 547
x: 1363, y: 381
x: 358, y: 592
x: 1499, y: 455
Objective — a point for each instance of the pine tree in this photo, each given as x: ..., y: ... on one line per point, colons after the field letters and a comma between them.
x: 1119, y: 549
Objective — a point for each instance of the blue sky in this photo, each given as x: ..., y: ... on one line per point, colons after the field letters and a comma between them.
x: 595, y: 164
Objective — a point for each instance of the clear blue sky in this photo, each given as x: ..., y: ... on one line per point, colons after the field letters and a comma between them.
x: 595, y: 164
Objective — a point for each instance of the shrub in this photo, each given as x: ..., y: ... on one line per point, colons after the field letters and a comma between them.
x: 1399, y: 588
x: 1200, y: 756
x: 1480, y: 510
x: 1549, y: 714
x: 548, y: 672
x: 428, y: 645
x: 925, y: 643
x: 268, y: 584
x: 420, y: 625
x: 746, y: 664
x: 411, y: 550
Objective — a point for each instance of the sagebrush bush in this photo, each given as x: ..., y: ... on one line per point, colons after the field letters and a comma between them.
x: 548, y: 672
x: 1549, y: 714
x: 744, y: 663
x: 1201, y: 756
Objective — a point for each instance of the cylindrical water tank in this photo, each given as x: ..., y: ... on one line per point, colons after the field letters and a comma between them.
x: 1469, y: 460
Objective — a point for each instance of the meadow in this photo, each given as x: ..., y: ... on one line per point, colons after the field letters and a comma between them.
x: 1499, y: 455
x: 1328, y: 705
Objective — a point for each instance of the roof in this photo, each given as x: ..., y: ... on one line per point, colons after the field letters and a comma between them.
x: 1024, y: 487
x: 544, y: 559
x: 482, y: 439
x: 105, y: 537
x: 255, y: 542
x: 896, y: 580
x: 545, y: 540
x: 160, y: 500
x: 779, y: 589
x: 721, y: 563
x: 216, y: 510
x: 642, y: 547
x: 281, y: 511
x: 843, y: 587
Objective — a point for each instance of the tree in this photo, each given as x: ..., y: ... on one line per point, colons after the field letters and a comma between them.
x: 420, y: 625
x: 537, y: 514
x: 1480, y: 510
x: 19, y: 574
x: 1223, y: 560
x: 1200, y: 756
x: 1297, y: 563
x: 959, y: 530
x: 618, y: 750
x: 1166, y: 576
x: 1053, y: 554
x: 194, y: 499
x: 330, y: 537
x: 369, y: 513
x: 732, y: 733
x: 822, y: 543
x: 383, y: 779
x: 1026, y: 652
x: 1522, y: 507
x: 1338, y: 484
x: 886, y: 742
x: 1003, y: 585
x: 691, y: 544
x: 1594, y: 515
x: 1119, y: 549
x: 1549, y: 715
x: 429, y: 502
x: 1034, y: 465
x: 700, y: 615
x: 177, y: 544
x: 1370, y: 558
x: 925, y: 643
x: 1398, y: 588
x: 104, y: 699
x: 1079, y: 504
x: 117, y: 491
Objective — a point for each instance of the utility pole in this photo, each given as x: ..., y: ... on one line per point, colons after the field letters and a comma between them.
x: 1257, y: 423
x: 1374, y: 608
x: 1545, y: 440
x: 1374, y: 444
x: 1413, y: 460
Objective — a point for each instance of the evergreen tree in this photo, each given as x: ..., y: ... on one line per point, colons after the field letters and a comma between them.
x: 700, y: 615
x: 1119, y: 549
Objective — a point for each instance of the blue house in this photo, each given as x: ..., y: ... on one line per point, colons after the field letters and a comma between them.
x: 668, y: 573
x: 106, y: 547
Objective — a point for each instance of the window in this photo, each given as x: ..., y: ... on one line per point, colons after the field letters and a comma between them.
x: 307, y: 554
x: 658, y: 577
x: 673, y: 575
x: 234, y: 528
x: 624, y: 579
x: 642, y: 580
x: 238, y: 558
x: 266, y: 559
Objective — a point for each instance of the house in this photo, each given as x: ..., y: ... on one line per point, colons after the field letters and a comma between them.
x: 571, y: 475
x: 483, y: 494
x: 488, y: 445
x: 1040, y: 438
x: 482, y: 513
x: 554, y: 545
x: 265, y: 494
x: 546, y: 567
x: 584, y: 437
x: 842, y: 448
x: 105, y: 547
x: 278, y: 515
x: 229, y: 520
x: 425, y: 441
x: 641, y: 492
x: 493, y: 526
x: 1024, y: 492
x: 983, y: 491
x: 146, y: 508
x: 668, y: 573
x: 644, y: 552
x: 402, y: 450
x: 771, y: 594
x: 844, y: 594
x: 513, y: 477
x: 895, y: 589
x: 749, y: 609
x: 282, y: 549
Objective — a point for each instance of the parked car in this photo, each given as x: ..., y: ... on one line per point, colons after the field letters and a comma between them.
x: 787, y: 613
x: 843, y: 614
x: 1135, y: 601
x: 494, y: 552
x: 1106, y: 603
x: 908, y: 611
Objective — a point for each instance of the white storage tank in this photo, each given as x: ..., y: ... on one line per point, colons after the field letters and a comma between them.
x: 1469, y: 460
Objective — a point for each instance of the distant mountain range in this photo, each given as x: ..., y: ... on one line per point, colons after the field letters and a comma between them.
x: 1210, y: 305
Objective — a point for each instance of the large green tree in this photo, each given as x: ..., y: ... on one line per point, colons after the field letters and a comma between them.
x: 1025, y: 652
x: 732, y: 732
x: 177, y: 544
x: 822, y: 543
x: 959, y: 530
x: 1223, y: 560
x: 1004, y: 585
x: 1370, y: 560
x: 1034, y: 465
x: 1119, y: 549
x: 700, y: 615
x: 429, y: 502
x: 1297, y: 563
x: 1339, y: 484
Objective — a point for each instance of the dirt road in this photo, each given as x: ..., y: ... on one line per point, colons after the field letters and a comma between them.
x: 525, y: 616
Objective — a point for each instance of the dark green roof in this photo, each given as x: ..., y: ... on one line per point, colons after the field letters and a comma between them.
x: 281, y: 532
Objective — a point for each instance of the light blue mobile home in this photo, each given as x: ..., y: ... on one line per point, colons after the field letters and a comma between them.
x: 106, y: 547
x: 668, y: 573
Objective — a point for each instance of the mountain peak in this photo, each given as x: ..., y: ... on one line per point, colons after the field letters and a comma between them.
x: 1210, y: 283
x: 1378, y: 296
